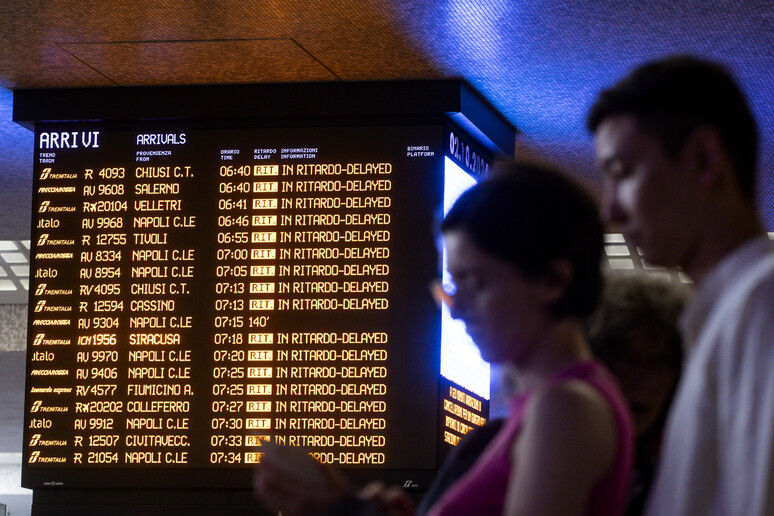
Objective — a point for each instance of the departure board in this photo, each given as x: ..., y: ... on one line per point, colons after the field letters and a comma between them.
x: 197, y: 290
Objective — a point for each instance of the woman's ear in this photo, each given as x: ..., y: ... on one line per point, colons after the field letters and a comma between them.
x: 556, y: 281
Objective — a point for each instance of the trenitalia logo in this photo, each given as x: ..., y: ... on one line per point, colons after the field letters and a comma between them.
x: 46, y: 174
x: 41, y: 306
x: 42, y: 290
x: 44, y: 239
x: 45, y: 207
x: 41, y: 340
x: 37, y: 441
x: 37, y: 406
x: 35, y: 457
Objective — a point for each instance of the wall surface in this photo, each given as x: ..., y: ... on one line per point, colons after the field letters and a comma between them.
x: 17, y: 500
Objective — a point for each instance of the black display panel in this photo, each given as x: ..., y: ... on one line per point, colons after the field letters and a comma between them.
x: 196, y: 290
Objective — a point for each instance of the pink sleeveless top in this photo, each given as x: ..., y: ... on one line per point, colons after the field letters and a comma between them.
x: 481, y: 491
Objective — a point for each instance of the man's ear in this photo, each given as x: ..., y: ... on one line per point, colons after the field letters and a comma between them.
x: 556, y: 281
x: 707, y: 155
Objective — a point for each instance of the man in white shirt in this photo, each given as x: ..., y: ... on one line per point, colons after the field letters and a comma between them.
x: 677, y: 145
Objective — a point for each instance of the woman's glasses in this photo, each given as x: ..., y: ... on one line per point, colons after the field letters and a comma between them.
x: 443, y: 294
x: 447, y: 291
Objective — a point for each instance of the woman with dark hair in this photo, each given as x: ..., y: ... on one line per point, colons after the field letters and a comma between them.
x: 524, y: 253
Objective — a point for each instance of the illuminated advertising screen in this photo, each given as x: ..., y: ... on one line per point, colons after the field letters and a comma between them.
x: 461, y: 361
x: 464, y: 376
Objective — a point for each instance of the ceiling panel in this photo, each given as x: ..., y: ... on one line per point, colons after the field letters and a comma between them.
x: 191, y: 62
x: 539, y: 62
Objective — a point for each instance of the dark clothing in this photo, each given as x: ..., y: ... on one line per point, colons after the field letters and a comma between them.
x: 456, y: 464
x: 459, y: 461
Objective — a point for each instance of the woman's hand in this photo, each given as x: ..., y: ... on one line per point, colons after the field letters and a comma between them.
x: 392, y: 500
x: 289, y: 480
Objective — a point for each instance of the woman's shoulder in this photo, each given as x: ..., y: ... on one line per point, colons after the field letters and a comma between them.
x: 571, y: 400
x: 567, y: 445
x: 572, y: 418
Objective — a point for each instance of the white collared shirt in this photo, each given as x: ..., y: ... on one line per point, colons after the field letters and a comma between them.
x: 718, y: 451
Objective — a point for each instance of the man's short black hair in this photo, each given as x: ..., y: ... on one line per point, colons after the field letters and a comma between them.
x: 671, y: 97
x: 530, y: 216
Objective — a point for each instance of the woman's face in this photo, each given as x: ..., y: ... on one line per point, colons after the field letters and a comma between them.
x: 502, y: 309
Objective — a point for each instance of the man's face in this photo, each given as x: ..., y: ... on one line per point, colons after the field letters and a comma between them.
x: 648, y: 195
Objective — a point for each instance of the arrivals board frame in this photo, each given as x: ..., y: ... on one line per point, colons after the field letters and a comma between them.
x: 430, y: 146
x: 141, y: 288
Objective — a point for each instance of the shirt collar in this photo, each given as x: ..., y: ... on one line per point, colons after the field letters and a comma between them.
x: 717, y: 282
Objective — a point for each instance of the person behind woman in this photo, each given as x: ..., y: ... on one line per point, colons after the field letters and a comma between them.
x: 524, y: 253
x: 634, y: 332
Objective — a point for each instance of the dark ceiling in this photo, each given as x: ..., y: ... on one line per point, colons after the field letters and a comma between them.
x: 539, y: 62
